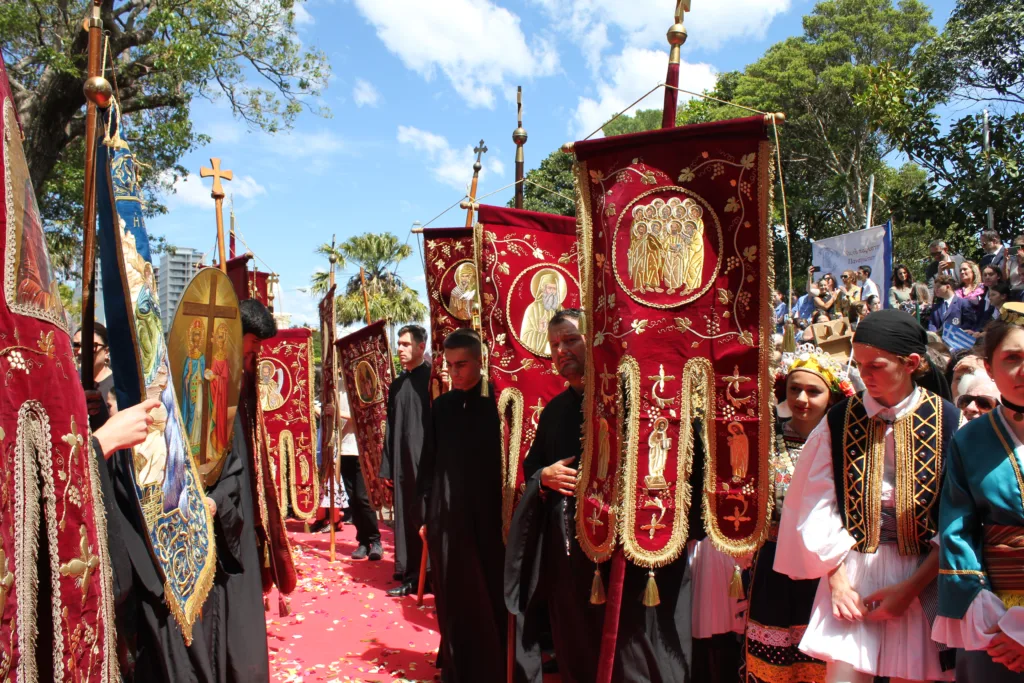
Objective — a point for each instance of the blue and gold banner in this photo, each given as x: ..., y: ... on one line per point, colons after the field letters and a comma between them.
x: 170, y: 491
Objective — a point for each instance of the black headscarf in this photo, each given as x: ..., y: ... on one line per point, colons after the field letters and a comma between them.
x: 899, y: 333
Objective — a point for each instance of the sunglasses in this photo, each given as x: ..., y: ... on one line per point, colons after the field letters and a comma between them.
x: 77, y: 346
x: 985, y: 403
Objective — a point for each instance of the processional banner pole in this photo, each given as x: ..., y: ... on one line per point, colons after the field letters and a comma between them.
x: 519, y: 137
x: 98, y: 93
x: 676, y: 37
x: 218, y: 197
x: 335, y: 454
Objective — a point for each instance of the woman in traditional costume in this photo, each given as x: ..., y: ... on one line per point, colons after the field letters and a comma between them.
x: 981, y: 522
x: 780, y: 607
x: 862, y: 511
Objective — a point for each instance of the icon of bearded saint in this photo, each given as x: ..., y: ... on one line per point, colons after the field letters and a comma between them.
x: 460, y: 303
x: 549, y: 291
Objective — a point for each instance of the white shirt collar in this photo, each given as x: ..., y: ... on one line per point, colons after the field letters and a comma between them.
x: 873, y: 407
x: 947, y: 299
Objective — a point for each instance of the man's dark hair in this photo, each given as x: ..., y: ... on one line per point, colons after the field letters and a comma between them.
x: 573, y: 315
x: 945, y: 279
x: 100, y: 330
x: 1003, y: 287
x: 464, y: 338
x: 418, y: 334
x: 257, y: 319
x: 866, y: 270
x: 991, y: 236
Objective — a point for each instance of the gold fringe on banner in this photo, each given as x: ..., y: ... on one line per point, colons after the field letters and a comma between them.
x: 597, y: 596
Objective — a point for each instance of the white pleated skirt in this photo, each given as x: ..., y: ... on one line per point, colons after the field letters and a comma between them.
x: 714, y: 612
x: 897, y: 648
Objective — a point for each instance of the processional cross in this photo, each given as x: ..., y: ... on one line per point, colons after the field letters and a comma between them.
x: 218, y: 198
x: 212, y: 312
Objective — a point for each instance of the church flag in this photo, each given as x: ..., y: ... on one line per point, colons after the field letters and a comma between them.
x: 249, y: 283
x: 328, y: 380
x: 677, y: 272
x: 451, y: 288
x: 364, y: 361
x: 284, y: 375
x: 205, y: 350
x: 50, y: 495
x: 530, y: 272
x: 167, y: 480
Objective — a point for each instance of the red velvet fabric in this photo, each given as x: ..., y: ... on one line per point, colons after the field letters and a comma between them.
x: 248, y: 283
x: 448, y: 251
x: 677, y: 277
x: 524, y: 253
x: 50, y: 499
x: 365, y: 363
x: 290, y: 426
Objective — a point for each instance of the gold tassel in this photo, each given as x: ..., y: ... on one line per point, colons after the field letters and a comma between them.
x: 789, y: 336
x: 597, y: 596
x: 1011, y: 598
x: 283, y: 608
x: 651, y: 597
x: 736, y: 584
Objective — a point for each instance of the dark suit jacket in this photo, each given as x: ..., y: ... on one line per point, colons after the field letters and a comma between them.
x: 960, y: 313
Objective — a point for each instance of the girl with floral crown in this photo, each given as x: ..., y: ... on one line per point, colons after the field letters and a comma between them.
x: 780, y: 607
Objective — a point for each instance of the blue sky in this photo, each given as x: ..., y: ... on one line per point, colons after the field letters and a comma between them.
x: 415, y: 84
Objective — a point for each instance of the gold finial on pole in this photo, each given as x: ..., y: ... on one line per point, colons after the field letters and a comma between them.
x: 519, y: 137
x: 676, y: 37
x: 218, y: 197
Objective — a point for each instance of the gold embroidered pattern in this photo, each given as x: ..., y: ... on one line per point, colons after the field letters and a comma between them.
x: 83, y: 566
x: 510, y: 399
x: 917, y: 473
x: 961, y: 572
x: 864, y: 457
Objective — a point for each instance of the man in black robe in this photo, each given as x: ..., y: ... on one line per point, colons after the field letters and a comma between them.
x: 544, y: 562
x: 461, y: 480
x: 408, y: 417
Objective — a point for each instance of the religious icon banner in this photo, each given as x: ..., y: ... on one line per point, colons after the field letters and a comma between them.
x: 205, y: 349
x: 328, y: 383
x: 284, y: 373
x: 677, y: 274
x: 530, y: 271
x: 365, y: 363
x: 167, y: 480
x: 50, y: 495
x: 451, y: 288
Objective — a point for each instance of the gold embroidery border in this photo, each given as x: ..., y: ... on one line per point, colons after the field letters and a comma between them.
x: 766, y: 430
x: 10, y: 279
x: 718, y: 264
x: 698, y: 374
x: 111, y: 667
x: 869, y: 507
x: 998, y: 429
x: 306, y: 347
x: 508, y: 299
x: 908, y: 462
x: 378, y: 345
x: 510, y: 397
x: 962, y: 572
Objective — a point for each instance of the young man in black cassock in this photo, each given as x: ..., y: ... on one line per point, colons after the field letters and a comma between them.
x: 408, y: 417
x: 461, y: 481
x: 544, y: 562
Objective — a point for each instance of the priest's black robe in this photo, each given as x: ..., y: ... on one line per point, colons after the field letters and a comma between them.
x: 544, y: 562
x: 408, y: 418
x: 233, y: 621
x: 462, y: 479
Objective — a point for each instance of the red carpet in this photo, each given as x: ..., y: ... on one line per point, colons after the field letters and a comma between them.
x: 342, y: 626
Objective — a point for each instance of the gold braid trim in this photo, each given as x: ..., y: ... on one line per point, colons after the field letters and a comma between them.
x: 918, y: 440
x: 110, y: 672
x: 962, y: 572
x: 29, y: 440
x: 863, y: 458
x: 629, y: 450
x: 306, y: 516
x: 510, y: 398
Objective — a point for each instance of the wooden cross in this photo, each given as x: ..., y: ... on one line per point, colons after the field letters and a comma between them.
x: 82, y: 566
x: 217, y: 175
x: 212, y: 312
x: 6, y: 580
x: 594, y: 521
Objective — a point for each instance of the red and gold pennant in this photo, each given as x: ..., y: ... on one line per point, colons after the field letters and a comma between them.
x: 365, y: 362
x: 677, y: 273
x: 530, y: 272
x: 284, y: 375
x: 452, y: 284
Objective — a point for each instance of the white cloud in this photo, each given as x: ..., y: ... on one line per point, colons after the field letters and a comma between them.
x: 301, y: 144
x: 302, y: 15
x: 452, y: 166
x: 631, y: 74
x: 477, y: 45
x: 364, y: 94
x: 643, y: 23
x: 194, y: 191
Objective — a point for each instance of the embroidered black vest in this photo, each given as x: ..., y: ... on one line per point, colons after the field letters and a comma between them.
x: 858, y: 458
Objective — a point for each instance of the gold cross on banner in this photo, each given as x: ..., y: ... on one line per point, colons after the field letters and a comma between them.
x: 537, y: 410
x: 654, y: 526
x: 82, y: 566
x: 659, y: 385
x: 217, y: 175
x: 6, y: 580
x: 594, y: 521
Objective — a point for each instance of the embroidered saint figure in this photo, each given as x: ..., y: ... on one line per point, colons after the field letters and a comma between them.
x: 270, y: 386
x: 739, y: 451
x: 192, y: 375
x: 218, y: 375
x: 666, y: 246
x: 658, y: 445
x: 549, y: 291
x: 460, y: 303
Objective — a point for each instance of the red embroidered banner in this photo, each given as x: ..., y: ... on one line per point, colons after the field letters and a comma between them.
x: 284, y: 374
x: 530, y: 272
x: 677, y: 274
x: 328, y: 385
x: 451, y: 287
x: 248, y: 283
x: 366, y: 365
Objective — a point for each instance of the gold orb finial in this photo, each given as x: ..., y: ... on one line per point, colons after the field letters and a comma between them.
x: 333, y: 259
x: 98, y: 91
x: 676, y: 35
x: 519, y: 136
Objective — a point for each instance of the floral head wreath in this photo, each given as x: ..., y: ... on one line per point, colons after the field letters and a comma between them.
x: 810, y: 358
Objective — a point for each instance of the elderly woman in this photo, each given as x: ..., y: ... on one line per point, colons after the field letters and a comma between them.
x: 861, y: 513
x: 981, y: 522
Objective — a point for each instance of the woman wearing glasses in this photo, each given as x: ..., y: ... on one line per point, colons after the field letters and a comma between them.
x: 981, y: 523
x: 102, y: 404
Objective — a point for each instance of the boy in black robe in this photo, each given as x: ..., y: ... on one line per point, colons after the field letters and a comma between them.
x: 461, y: 475
x: 408, y: 417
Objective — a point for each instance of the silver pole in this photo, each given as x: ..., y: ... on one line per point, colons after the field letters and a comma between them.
x: 871, y: 199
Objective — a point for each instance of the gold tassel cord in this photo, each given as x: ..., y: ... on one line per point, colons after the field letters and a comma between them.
x: 789, y: 337
x: 736, y: 584
x: 651, y: 596
x: 597, y: 596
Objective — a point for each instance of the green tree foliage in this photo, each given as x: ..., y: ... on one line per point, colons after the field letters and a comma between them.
x: 162, y: 54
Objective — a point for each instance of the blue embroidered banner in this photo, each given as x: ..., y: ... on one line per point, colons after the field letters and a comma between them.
x: 166, y: 479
